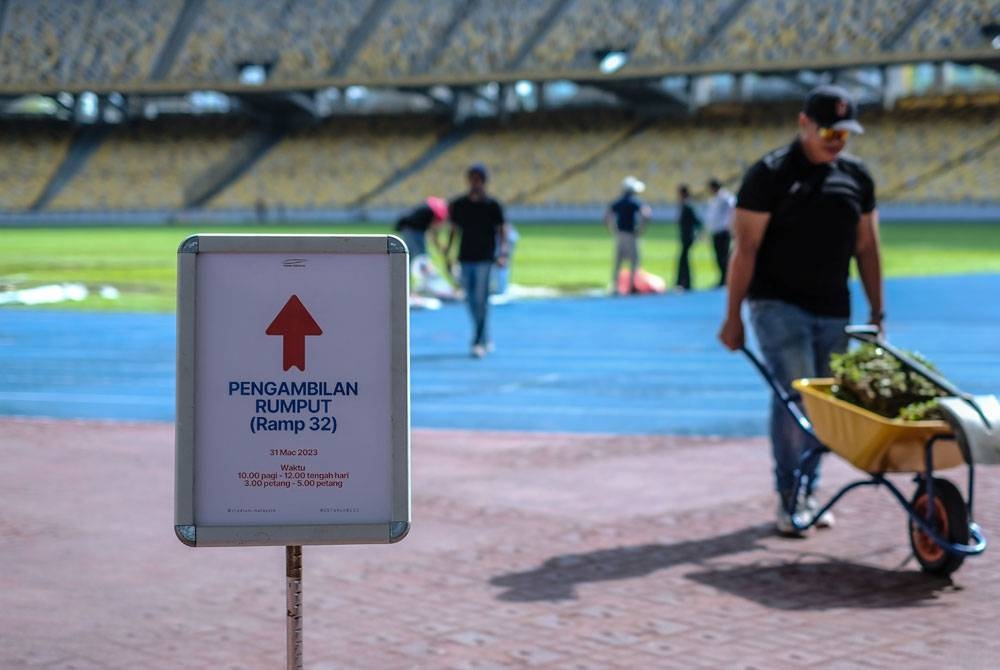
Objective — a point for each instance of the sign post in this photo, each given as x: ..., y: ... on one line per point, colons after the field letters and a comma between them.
x: 292, y: 395
x: 293, y: 600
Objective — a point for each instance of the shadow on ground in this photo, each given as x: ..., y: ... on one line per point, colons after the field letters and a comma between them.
x: 805, y: 582
x: 557, y: 578
x: 825, y: 585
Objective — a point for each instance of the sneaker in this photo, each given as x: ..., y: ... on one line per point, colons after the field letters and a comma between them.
x: 783, y: 522
x: 826, y: 519
x: 478, y: 351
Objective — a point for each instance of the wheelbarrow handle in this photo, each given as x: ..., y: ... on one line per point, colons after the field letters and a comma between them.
x: 787, y: 399
x: 776, y: 386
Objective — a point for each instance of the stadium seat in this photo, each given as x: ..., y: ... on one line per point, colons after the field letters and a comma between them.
x: 552, y: 157
x: 490, y: 37
x: 332, y: 165
x: 32, y: 153
x: 524, y: 155
x: 395, y: 49
x: 949, y: 26
x: 116, y: 42
x: 150, y: 165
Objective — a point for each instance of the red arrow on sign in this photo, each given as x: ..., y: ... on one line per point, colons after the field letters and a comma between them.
x: 293, y: 323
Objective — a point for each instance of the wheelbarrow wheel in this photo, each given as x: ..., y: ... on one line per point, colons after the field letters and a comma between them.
x: 949, y: 518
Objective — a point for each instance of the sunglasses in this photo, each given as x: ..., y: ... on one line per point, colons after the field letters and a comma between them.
x: 838, y: 134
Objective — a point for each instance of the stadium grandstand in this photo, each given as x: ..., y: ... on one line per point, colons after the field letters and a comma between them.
x: 317, y: 109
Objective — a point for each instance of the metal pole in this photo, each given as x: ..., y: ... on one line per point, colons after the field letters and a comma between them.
x: 293, y: 583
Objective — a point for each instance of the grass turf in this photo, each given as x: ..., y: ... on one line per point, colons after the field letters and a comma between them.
x: 141, y: 261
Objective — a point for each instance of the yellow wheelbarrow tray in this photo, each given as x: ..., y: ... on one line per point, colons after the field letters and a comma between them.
x: 872, y: 442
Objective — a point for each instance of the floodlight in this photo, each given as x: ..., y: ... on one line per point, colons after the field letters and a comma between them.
x: 253, y: 74
x: 41, y: 105
x: 356, y: 93
x: 613, y: 61
x: 208, y: 101
x: 87, y: 107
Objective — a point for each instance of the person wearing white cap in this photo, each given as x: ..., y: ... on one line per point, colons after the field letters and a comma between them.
x: 803, y: 212
x: 625, y: 218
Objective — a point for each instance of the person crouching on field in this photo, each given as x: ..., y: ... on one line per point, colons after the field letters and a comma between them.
x: 414, y: 226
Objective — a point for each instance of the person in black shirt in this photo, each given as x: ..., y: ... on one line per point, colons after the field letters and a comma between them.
x: 802, y: 213
x: 480, y: 220
x: 625, y: 219
x: 689, y: 223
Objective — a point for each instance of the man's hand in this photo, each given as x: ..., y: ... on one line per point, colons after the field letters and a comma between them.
x: 876, y: 319
x: 748, y: 231
x: 731, y: 335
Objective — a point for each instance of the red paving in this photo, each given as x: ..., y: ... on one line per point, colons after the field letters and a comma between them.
x: 527, y: 551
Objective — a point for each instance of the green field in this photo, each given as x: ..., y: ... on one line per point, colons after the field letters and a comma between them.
x: 140, y: 261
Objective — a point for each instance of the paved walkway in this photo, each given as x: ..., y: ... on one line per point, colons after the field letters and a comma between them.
x: 527, y: 551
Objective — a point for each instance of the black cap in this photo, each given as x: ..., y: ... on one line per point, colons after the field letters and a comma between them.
x: 832, y: 107
x: 480, y: 169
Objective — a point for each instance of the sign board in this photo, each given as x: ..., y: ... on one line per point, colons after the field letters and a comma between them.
x: 293, y: 422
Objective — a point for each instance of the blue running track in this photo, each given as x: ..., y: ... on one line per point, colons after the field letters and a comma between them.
x: 641, y: 365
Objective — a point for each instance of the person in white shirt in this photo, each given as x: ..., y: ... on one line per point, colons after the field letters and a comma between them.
x: 719, y: 219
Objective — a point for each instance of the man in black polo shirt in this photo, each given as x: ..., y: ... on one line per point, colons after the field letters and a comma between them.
x: 480, y: 219
x: 803, y: 212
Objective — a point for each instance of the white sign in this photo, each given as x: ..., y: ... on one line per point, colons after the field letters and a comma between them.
x: 293, y: 390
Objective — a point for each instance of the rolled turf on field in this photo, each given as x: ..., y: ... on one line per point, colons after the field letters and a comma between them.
x: 140, y: 261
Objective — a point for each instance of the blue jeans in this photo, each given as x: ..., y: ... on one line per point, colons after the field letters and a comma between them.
x: 476, y: 282
x: 416, y: 241
x: 794, y: 344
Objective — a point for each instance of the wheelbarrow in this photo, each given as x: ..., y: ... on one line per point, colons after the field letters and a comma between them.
x: 940, y: 521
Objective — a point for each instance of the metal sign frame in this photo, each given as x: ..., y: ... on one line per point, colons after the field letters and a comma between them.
x: 187, y: 526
